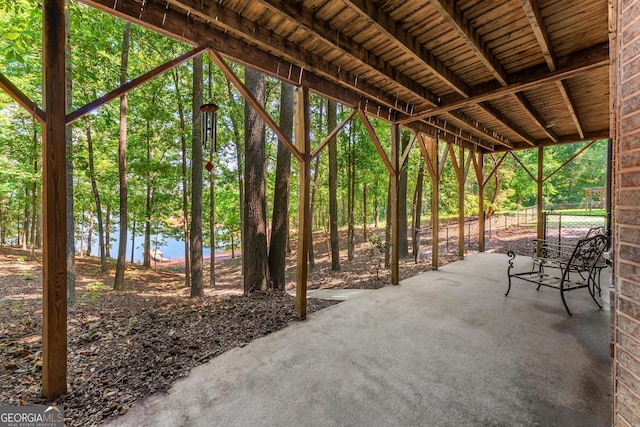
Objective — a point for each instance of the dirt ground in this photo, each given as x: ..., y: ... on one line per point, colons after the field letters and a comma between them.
x: 126, y: 345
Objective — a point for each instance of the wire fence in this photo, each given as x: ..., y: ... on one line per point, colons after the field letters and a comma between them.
x: 512, y: 231
x: 569, y: 228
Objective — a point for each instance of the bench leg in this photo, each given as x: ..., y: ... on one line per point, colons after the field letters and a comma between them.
x: 592, y: 290
x: 565, y: 302
x: 511, y: 256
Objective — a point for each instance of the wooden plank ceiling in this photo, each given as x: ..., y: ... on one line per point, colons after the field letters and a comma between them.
x: 492, y: 75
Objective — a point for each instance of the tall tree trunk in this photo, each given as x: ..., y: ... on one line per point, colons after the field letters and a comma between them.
x: 239, y: 159
x: 26, y: 228
x: 387, y: 228
x: 118, y: 283
x: 197, y: 281
x: 133, y: 239
x: 280, y: 218
x: 107, y: 233
x: 333, y: 188
x: 185, y: 180
x: 146, y: 258
x: 81, y: 239
x: 314, y: 185
x: 71, y: 238
x: 417, y: 212
x: 364, y: 212
x: 90, y: 232
x: 376, y: 208
x: 255, y: 266
x: 351, y: 186
x: 34, y: 195
x: 96, y: 197
x: 403, y: 243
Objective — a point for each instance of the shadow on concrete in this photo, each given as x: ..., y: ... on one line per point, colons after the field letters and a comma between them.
x: 445, y: 348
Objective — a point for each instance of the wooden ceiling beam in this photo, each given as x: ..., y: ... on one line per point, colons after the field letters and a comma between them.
x: 446, y: 127
x: 323, y: 79
x: 215, y: 17
x: 395, y: 32
x: 537, y: 119
x: 482, y: 130
x: 563, y: 87
x: 321, y: 29
x: 566, y: 139
x: 333, y: 85
x: 532, y: 11
x: 390, y: 28
x: 455, y: 18
x: 507, y: 122
x: 572, y: 65
x: 468, y: 33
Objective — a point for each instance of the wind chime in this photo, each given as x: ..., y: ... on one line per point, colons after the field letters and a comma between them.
x: 209, y: 125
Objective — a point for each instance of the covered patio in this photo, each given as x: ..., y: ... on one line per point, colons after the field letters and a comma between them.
x: 482, y: 77
x: 443, y: 348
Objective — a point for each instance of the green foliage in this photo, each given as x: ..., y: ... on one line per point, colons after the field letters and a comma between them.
x: 94, y: 289
x: 155, y: 136
x: 376, y: 251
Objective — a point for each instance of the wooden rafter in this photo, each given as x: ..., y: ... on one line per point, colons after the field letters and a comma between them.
x: 408, y: 43
x: 526, y: 169
x: 457, y: 20
x: 442, y: 126
x: 495, y: 168
x: 22, y: 99
x: 390, y: 74
x: 376, y: 141
x: 322, y: 30
x: 481, y: 129
x: 248, y: 96
x: 125, y: 88
x: 507, y: 122
x: 535, y: 116
x: 563, y: 87
x: 532, y: 11
x: 578, y: 63
x: 576, y: 154
x: 461, y: 24
x: 323, y: 79
x: 428, y: 157
x: 333, y: 134
x: 407, y: 151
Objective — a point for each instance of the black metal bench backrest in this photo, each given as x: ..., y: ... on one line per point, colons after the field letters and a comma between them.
x: 586, y: 254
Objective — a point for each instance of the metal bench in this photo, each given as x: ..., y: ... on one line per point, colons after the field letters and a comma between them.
x: 564, y: 269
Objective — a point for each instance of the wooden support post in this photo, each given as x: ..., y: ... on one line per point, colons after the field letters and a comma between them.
x: 303, y: 145
x: 432, y: 148
x: 478, y: 165
x: 459, y: 169
x: 540, y: 181
x: 461, y: 179
x: 395, y: 205
x: 54, y: 205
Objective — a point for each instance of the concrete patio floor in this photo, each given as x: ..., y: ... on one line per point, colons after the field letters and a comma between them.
x: 445, y: 348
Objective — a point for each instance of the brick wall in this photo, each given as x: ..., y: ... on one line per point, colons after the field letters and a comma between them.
x: 625, y: 48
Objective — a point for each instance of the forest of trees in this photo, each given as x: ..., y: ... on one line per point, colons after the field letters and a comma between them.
x: 137, y: 164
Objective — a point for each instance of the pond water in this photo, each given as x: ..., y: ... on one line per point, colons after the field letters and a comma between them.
x: 172, y: 249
